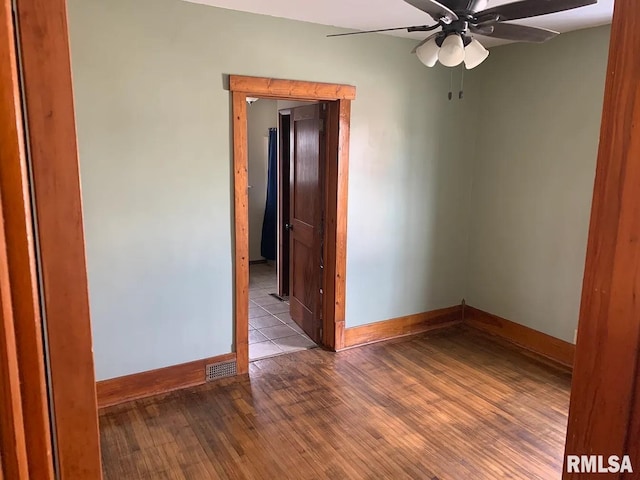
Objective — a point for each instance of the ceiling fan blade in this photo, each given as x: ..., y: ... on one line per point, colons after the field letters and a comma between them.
x: 477, y: 5
x: 485, y: 30
x: 418, y: 28
x: 437, y: 10
x: 424, y: 41
x: 529, y: 8
x: 519, y: 33
x: 465, y: 5
x: 455, y: 5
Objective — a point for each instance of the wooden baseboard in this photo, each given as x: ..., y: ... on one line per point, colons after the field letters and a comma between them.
x: 154, y: 382
x: 401, y: 326
x: 540, y: 343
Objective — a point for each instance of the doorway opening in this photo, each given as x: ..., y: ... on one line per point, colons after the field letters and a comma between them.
x: 277, y: 321
x: 317, y: 226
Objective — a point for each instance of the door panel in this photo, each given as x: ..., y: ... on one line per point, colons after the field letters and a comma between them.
x: 284, y: 157
x: 25, y: 445
x: 12, y: 436
x: 48, y: 95
x: 306, y: 217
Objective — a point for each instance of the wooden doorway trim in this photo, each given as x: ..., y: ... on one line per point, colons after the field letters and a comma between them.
x: 603, y: 419
x: 13, y: 447
x: 18, y: 240
x: 335, y: 233
x: 48, y: 93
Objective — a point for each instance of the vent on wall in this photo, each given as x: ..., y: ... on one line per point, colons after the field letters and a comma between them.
x: 220, y: 370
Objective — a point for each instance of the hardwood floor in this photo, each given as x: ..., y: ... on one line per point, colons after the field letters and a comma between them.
x: 446, y: 405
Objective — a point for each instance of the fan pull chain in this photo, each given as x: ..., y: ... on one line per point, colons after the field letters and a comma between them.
x: 451, y: 85
x: 461, y: 94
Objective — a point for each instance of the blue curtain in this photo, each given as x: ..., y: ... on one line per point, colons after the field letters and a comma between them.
x: 269, y: 226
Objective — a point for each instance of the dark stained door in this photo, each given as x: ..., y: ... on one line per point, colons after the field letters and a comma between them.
x: 284, y: 197
x: 306, y: 218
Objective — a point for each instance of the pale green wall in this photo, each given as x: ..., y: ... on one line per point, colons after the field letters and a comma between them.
x: 154, y: 137
x: 533, y: 174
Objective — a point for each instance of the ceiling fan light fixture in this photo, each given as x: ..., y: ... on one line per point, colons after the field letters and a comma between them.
x: 475, y: 54
x: 452, y: 52
x: 428, y: 53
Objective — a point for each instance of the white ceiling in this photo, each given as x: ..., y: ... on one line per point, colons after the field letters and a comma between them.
x: 375, y: 14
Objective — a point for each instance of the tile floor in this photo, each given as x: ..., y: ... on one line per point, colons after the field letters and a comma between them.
x: 271, y: 329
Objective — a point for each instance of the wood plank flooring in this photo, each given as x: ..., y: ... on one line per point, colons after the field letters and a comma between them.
x: 446, y: 405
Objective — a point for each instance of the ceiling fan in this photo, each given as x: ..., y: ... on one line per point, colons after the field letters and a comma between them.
x: 460, y: 19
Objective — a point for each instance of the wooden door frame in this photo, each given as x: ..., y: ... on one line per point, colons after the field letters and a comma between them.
x: 606, y: 373
x: 51, y: 135
x: 21, y: 310
x: 337, y: 172
x: 13, y: 446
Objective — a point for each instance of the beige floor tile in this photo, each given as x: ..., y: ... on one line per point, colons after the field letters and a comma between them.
x: 294, y: 326
x: 265, y: 322
x: 279, y: 331
x: 255, y: 293
x: 276, y: 309
x: 263, y: 350
x: 294, y: 343
x: 256, y: 312
x: 269, y: 318
x: 256, y: 337
x: 266, y: 301
x: 285, y: 317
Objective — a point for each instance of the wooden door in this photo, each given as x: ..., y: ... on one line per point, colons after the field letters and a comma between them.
x: 284, y: 173
x: 25, y: 441
x: 48, y: 100
x: 306, y: 217
x: 13, y: 460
